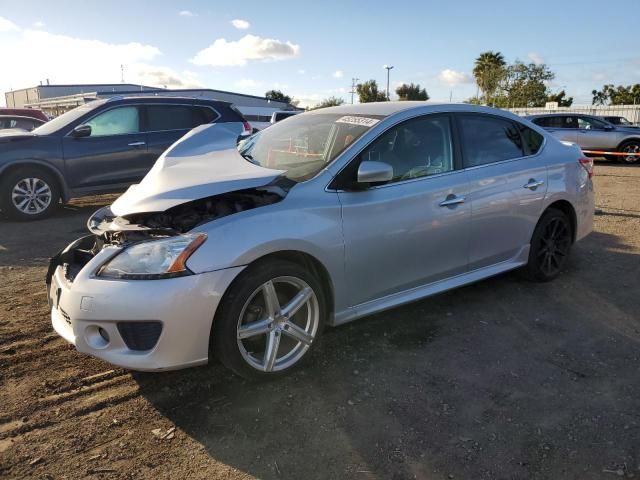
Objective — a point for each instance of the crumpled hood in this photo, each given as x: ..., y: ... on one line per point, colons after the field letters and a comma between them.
x: 203, y: 163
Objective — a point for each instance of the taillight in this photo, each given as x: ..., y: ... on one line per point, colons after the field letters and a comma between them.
x: 587, y: 164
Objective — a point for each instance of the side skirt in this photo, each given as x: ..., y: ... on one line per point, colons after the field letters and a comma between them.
x: 418, y: 293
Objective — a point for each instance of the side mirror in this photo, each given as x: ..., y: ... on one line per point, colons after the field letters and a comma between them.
x: 609, y: 127
x: 372, y: 172
x: 81, y: 131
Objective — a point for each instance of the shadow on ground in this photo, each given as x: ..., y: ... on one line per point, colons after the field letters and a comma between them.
x: 501, y: 379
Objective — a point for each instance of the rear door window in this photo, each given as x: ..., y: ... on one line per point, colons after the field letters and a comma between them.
x: 170, y: 117
x: 487, y: 139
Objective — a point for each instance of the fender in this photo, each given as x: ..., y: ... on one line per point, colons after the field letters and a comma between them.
x: 65, y: 192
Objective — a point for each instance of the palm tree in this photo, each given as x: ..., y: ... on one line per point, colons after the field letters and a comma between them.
x: 488, y: 70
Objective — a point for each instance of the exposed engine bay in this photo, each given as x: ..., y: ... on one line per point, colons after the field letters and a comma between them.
x: 181, y: 218
x: 108, y: 229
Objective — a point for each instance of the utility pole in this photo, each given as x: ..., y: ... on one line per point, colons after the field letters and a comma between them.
x: 354, y: 82
x: 388, y: 67
x: 121, y: 73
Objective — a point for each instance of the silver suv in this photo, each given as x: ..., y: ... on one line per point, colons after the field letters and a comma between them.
x: 247, y: 252
x: 593, y: 134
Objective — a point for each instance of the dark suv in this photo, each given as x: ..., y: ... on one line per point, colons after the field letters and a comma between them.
x: 103, y: 146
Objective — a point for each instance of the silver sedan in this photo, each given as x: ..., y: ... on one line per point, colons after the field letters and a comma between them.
x: 248, y: 252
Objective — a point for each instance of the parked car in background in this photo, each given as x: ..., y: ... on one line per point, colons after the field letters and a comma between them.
x: 25, y: 112
x: 621, y: 121
x: 593, y: 133
x: 331, y: 215
x: 100, y: 147
x: 18, y: 122
x: 281, y: 115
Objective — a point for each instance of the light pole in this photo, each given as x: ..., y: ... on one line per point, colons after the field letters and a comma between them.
x: 388, y: 67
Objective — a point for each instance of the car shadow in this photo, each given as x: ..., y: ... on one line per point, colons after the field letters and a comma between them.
x: 500, y: 379
x: 32, y: 243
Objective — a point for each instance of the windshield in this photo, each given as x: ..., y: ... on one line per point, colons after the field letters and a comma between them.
x: 306, y: 143
x: 63, y: 120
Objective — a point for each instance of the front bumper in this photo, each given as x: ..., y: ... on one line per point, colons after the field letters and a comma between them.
x: 90, y: 311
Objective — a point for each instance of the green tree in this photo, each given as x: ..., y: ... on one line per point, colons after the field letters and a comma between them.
x: 561, y: 98
x: 278, y: 96
x: 368, y: 92
x: 411, y: 92
x: 524, y: 85
x: 489, y: 70
x: 620, y: 95
x: 329, y: 102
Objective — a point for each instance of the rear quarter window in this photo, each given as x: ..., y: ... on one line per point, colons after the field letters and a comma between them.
x: 531, y: 139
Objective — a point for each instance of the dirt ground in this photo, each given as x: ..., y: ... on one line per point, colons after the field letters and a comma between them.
x: 503, y: 379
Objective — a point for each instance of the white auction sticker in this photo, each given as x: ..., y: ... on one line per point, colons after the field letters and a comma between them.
x: 364, y: 121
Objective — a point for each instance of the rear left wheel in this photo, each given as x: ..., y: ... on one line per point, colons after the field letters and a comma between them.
x: 269, y: 320
x: 550, y: 246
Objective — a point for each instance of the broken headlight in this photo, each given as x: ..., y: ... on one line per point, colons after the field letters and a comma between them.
x: 154, y: 259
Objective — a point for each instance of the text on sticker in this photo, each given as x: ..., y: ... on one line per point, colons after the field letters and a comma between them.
x: 364, y: 121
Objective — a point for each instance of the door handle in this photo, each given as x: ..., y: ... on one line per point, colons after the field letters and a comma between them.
x: 532, y: 184
x: 137, y: 144
x: 451, y: 200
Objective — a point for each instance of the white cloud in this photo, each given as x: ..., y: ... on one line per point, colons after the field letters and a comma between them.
x: 7, y: 25
x: 302, y: 71
x: 186, y: 13
x: 38, y: 24
x: 338, y: 74
x: 240, y: 24
x: 223, y: 53
x: 56, y: 57
x: 248, y: 83
x: 535, y: 58
x: 308, y: 100
x: 452, y: 77
x: 157, y: 76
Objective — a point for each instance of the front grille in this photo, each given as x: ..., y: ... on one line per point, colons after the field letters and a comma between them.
x: 140, y: 336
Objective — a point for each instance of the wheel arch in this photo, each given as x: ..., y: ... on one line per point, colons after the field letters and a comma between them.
x: 627, y: 140
x: 567, y: 208
x: 305, y: 260
x: 62, y: 184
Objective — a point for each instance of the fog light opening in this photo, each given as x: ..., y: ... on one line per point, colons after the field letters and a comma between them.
x: 97, y: 337
x: 103, y: 333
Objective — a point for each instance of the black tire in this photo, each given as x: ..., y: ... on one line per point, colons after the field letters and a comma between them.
x: 550, y: 247
x: 15, y: 178
x: 632, y: 146
x: 225, y: 343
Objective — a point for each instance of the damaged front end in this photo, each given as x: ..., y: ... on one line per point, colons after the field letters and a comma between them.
x: 128, y: 232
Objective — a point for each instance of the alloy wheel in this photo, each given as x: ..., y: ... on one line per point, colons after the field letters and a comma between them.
x: 31, y: 195
x: 631, y: 148
x: 554, y: 246
x: 278, y: 324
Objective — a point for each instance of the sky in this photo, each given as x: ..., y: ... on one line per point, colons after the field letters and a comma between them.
x: 313, y: 50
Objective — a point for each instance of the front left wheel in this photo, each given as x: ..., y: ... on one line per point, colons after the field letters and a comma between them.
x: 270, y: 319
x: 632, y: 151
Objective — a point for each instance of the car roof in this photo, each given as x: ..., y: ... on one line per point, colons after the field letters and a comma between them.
x: 391, y: 108
x: 161, y: 99
x: 21, y: 117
